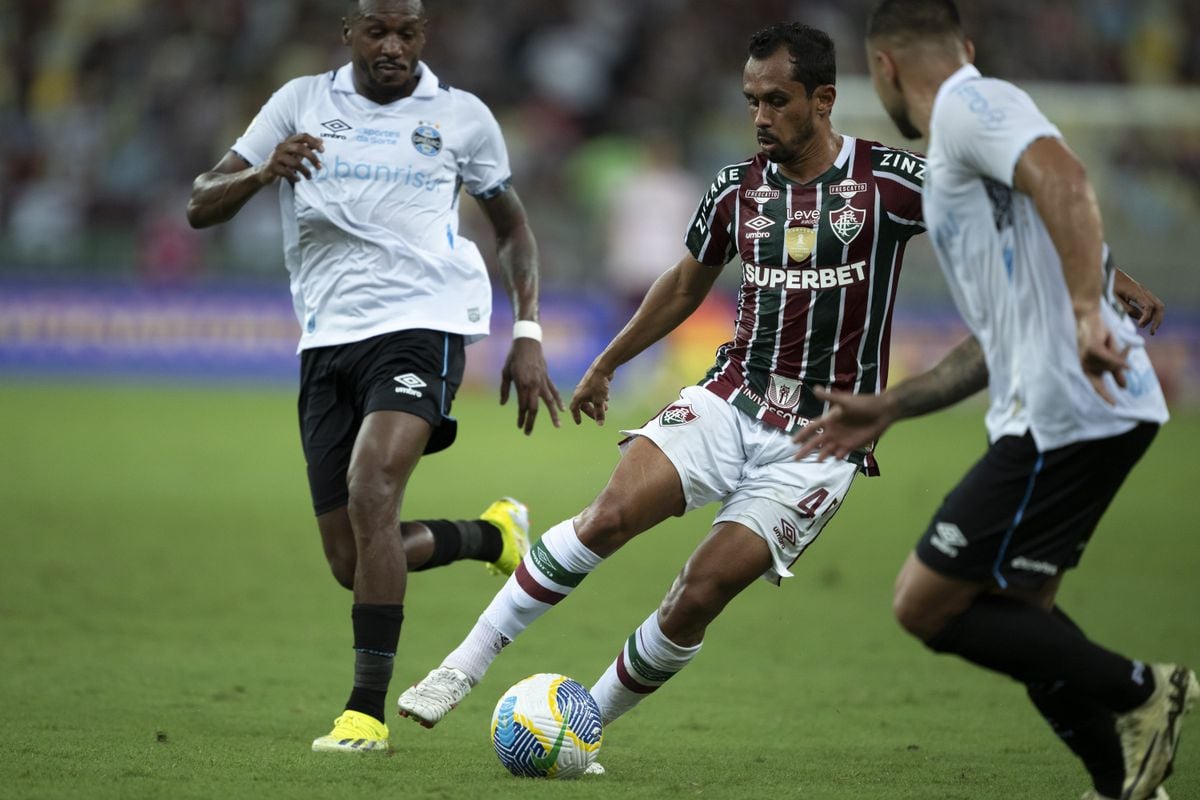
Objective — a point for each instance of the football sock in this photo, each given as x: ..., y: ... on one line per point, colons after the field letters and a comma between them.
x: 1085, y: 726
x: 555, y: 565
x: 376, y: 634
x: 454, y: 540
x: 1033, y: 646
x: 645, y: 663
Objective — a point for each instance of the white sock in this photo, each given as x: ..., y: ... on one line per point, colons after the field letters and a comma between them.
x: 646, y: 662
x: 554, y: 566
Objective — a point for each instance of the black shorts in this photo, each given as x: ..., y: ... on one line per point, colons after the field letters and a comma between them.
x: 415, y: 371
x: 1020, y: 517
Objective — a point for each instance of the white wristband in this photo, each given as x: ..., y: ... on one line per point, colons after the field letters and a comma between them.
x: 527, y: 329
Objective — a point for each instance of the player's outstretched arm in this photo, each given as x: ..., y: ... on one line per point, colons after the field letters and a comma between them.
x: 1056, y: 180
x: 670, y: 300
x: 217, y: 195
x: 525, y: 367
x: 1139, y: 302
x: 853, y: 421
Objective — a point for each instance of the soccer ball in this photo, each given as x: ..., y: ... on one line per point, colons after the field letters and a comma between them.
x: 547, y: 726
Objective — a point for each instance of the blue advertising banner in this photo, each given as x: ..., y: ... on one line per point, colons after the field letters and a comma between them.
x: 248, y: 332
x: 229, y: 332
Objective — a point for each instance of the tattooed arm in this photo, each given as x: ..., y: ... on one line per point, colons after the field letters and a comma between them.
x: 853, y: 421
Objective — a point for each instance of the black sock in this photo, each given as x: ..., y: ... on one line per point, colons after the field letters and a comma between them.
x: 458, y: 539
x: 376, y: 634
x: 1033, y: 646
x: 1085, y: 726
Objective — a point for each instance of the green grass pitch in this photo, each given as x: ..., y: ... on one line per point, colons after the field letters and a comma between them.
x: 168, y: 628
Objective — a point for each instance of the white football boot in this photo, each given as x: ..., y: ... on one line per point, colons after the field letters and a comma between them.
x: 434, y: 696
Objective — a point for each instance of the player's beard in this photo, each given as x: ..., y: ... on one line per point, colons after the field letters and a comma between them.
x: 785, y: 152
x: 898, y: 111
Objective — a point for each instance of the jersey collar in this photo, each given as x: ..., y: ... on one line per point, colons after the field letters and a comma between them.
x: 967, y: 72
x: 427, y: 82
x: 836, y: 169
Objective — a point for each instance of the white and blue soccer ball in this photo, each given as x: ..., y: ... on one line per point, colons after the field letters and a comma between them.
x: 547, y: 726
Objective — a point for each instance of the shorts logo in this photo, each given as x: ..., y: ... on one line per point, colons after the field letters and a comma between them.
x: 785, y: 534
x: 948, y: 538
x: 677, y: 414
x: 427, y: 139
x: 473, y: 314
x: 409, y: 384
x: 762, y: 194
x: 783, y: 392
x: 799, y: 242
x: 847, y: 222
x: 1030, y: 565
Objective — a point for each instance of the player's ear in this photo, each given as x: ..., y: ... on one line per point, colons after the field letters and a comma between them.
x: 969, y: 48
x: 885, y: 66
x: 823, y: 98
x: 345, y: 31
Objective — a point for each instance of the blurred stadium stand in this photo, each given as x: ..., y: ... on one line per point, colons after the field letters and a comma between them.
x: 109, y: 109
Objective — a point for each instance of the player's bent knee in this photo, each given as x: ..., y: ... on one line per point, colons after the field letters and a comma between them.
x: 371, y: 490
x: 603, y: 527
x: 915, y: 619
x: 343, y: 571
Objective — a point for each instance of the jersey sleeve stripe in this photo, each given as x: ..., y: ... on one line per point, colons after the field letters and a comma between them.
x: 497, y: 190
x: 712, y: 215
x: 902, y: 221
x: 896, y: 179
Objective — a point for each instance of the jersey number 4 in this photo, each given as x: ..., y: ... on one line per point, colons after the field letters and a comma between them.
x: 811, y: 504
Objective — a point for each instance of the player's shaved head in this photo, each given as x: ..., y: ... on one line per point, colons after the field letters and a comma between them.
x: 908, y: 22
x: 358, y: 8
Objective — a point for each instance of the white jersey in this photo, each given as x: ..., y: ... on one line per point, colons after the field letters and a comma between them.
x: 1006, y: 276
x: 371, y: 242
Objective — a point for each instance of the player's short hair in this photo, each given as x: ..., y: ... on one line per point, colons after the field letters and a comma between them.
x: 813, y: 60
x: 354, y: 7
x: 909, y: 20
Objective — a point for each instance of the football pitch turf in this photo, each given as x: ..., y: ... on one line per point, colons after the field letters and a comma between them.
x: 168, y: 627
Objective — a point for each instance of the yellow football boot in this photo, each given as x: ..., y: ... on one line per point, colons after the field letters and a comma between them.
x: 512, y: 518
x: 353, y: 732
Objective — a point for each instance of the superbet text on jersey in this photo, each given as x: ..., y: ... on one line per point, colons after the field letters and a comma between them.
x: 820, y: 264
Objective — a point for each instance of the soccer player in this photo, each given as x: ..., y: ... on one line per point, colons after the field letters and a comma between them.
x: 372, y: 157
x: 818, y: 221
x: 1074, y: 403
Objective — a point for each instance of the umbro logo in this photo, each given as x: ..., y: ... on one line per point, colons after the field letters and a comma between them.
x: 785, y: 534
x: 409, y: 384
x: 948, y: 538
x: 336, y: 126
x: 757, y: 226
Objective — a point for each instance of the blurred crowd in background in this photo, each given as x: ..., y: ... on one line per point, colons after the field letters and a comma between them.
x: 617, y: 114
x: 109, y: 109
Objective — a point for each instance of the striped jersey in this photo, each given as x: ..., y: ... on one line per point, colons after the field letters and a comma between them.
x: 820, y: 264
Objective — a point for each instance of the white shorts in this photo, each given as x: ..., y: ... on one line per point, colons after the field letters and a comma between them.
x: 723, y: 454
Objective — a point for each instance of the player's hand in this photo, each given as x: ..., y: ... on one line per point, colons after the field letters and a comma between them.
x: 852, y: 422
x: 287, y: 161
x: 526, y: 369
x: 1139, y: 302
x: 1098, y: 353
x: 591, y: 396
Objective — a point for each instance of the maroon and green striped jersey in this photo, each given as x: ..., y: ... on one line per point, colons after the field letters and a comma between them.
x: 820, y: 264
